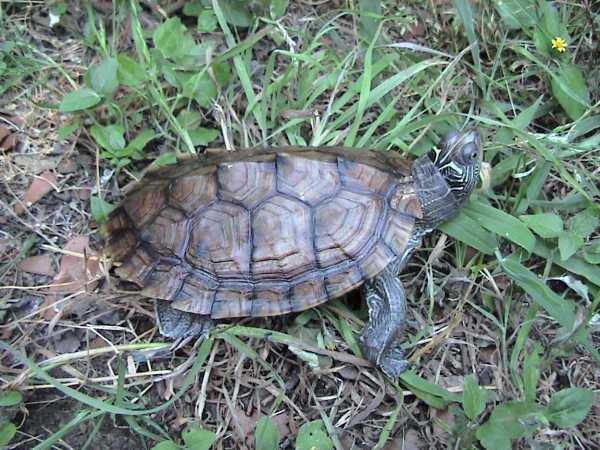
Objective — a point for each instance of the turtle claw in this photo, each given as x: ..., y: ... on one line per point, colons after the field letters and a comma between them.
x: 393, y: 363
x: 180, y: 325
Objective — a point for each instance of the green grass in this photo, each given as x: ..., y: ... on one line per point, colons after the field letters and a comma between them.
x: 392, y: 78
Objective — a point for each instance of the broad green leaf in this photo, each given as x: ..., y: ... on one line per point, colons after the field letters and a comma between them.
x: 143, y: 137
x: 505, y: 424
x: 202, y: 136
x: 130, y: 72
x: 67, y: 130
x: 222, y: 72
x: 109, y: 137
x: 501, y: 223
x: 166, y: 445
x: 312, y: 436
x: 103, y: 76
x: 201, y: 88
x: 531, y: 373
x: 570, y: 90
x: 236, y: 12
x: 574, y: 264
x: 10, y: 398
x: 569, y: 407
x: 267, y: 434
x: 166, y: 159
x: 371, y: 14
x: 474, y: 398
x: 568, y: 244
x: 559, y: 309
x: 100, y: 209
x: 546, y: 225
x: 585, y: 222
x: 517, y: 13
x: 207, y: 21
x: 173, y: 39
x: 193, y: 8
x: 78, y: 100
x: 525, y: 117
x: 412, y: 380
x: 467, y: 230
x: 189, y: 119
x: 277, y: 8
x: 198, y: 439
x: 7, y: 432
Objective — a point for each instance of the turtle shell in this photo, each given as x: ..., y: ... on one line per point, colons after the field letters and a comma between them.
x: 262, y: 233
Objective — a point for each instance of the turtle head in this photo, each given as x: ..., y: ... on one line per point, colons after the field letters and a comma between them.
x: 458, y: 158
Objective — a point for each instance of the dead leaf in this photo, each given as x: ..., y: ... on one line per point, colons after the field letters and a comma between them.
x: 4, y: 131
x: 442, y: 420
x: 9, y: 142
x: 35, y: 164
x: 40, y: 264
x: 73, y: 268
x: 408, y: 440
x: 39, y: 187
x: 67, y: 342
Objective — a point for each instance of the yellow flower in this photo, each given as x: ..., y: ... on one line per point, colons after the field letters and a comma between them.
x: 559, y: 44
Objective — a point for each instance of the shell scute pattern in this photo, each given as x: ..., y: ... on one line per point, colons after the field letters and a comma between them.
x: 344, y: 226
x: 220, y: 241
x: 247, y: 182
x: 193, y: 192
x: 311, y: 181
x: 261, y: 237
x: 282, y: 245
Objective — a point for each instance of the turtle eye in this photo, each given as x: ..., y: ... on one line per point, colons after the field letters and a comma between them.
x: 470, y: 152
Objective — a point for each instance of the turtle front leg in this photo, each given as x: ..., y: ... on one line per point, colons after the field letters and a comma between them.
x: 180, y: 325
x: 387, y: 314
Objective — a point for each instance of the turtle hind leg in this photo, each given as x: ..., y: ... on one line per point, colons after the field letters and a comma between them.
x: 387, y: 314
x: 180, y: 325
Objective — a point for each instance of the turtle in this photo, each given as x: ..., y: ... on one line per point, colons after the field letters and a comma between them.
x: 267, y: 232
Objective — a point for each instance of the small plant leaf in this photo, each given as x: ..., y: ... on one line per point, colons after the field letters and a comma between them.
x: 166, y: 445
x: 100, y: 209
x: 474, y: 398
x: 546, y: 225
x: 103, y: 76
x: 79, y: 100
x: 570, y: 90
x: 568, y: 244
x: 517, y: 13
x: 267, y: 434
x: 585, y: 222
x: 201, y: 88
x: 198, y: 439
x: 166, y: 159
x: 506, y: 423
x: 469, y: 231
x: 569, y: 407
x: 193, y: 8
x: 10, y: 398
x: 312, y: 436
x: 7, y: 432
x: 173, y: 39
x: 109, y: 137
x: 202, y: 136
x: 207, y: 21
x: 67, y: 130
x: 130, y: 72
x: 143, y: 137
x: 236, y: 12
